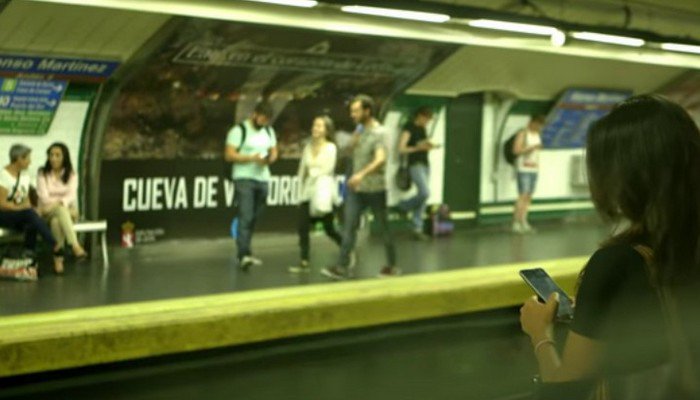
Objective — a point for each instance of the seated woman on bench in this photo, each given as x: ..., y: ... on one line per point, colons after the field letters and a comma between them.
x: 57, y: 189
x: 16, y: 211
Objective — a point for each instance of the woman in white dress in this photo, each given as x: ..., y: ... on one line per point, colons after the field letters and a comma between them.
x: 318, y: 188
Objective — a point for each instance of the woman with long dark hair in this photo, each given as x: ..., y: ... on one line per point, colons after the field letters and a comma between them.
x: 637, y: 298
x: 57, y: 189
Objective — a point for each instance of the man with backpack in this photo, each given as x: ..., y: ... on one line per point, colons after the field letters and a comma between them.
x: 526, y: 148
x: 251, y: 147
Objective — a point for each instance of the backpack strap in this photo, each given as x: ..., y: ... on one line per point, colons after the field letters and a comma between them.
x: 244, y: 133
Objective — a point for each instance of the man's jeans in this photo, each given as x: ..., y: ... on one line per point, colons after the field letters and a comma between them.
x: 355, y: 204
x: 251, y: 198
x: 420, y: 174
x: 29, y: 222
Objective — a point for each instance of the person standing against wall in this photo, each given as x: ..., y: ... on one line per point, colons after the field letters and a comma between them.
x: 415, y: 145
x: 251, y: 147
x: 527, y: 147
x: 367, y: 189
x: 318, y: 187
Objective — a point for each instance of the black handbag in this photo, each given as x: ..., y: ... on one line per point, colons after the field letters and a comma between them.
x: 403, y: 175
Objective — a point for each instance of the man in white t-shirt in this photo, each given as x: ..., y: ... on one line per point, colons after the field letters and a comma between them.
x: 251, y: 147
x: 527, y: 147
x: 16, y: 210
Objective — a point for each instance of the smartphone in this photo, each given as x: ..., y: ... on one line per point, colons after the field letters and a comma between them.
x: 544, y: 286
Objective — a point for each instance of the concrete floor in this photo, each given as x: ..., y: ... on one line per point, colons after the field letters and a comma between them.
x: 198, y: 267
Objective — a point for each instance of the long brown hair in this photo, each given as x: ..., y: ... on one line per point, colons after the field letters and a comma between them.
x: 67, y: 164
x: 330, y: 126
x: 644, y: 166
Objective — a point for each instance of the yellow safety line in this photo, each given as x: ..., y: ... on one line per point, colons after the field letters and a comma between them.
x: 88, y: 336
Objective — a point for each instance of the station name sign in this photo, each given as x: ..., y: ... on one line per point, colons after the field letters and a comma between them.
x: 571, y: 117
x: 57, y: 67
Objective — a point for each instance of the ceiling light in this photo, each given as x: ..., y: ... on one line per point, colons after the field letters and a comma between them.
x: 612, y: 39
x: 558, y: 38
x: 685, y: 48
x: 513, y: 27
x: 295, y: 3
x: 394, y: 13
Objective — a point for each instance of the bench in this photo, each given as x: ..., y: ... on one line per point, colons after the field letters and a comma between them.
x: 80, y: 227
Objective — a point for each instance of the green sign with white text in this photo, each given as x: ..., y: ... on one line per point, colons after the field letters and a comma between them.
x: 27, y: 106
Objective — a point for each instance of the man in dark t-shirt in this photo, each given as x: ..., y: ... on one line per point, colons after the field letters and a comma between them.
x: 413, y: 148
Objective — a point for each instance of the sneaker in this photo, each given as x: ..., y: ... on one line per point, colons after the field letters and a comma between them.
x: 301, y: 268
x: 418, y: 235
x: 336, y: 273
x: 247, y: 262
x: 256, y: 261
x: 517, y: 228
x: 389, y: 272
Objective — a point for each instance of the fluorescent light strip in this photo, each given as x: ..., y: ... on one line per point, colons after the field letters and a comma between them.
x: 611, y: 39
x: 394, y: 13
x: 513, y: 27
x: 294, y: 3
x: 684, y: 48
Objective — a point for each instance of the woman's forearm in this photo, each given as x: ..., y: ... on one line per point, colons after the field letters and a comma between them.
x: 548, y: 360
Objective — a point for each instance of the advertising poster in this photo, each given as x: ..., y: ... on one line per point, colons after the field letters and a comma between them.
x: 568, y: 121
x: 170, y: 122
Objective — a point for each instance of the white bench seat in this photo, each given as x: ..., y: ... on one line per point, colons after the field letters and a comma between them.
x: 80, y: 227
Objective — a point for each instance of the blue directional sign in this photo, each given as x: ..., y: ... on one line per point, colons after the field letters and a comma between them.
x: 27, y: 106
x: 58, y: 67
x: 572, y: 115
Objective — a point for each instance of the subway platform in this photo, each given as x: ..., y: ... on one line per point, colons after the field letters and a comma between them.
x: 176, y: 269
x: 180, y: 320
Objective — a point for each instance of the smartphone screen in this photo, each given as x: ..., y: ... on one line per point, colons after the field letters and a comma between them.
x: 544, y: 286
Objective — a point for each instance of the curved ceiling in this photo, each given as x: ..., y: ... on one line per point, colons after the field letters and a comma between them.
x: 488, y: 60
x: 29, y: 27
x: 669, y: 18
x: 526, y: 74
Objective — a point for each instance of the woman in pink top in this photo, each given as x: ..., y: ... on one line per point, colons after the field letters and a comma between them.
x: 57, y: 188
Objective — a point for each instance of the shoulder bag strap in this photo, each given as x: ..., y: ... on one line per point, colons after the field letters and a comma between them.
x: 16, y: 187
